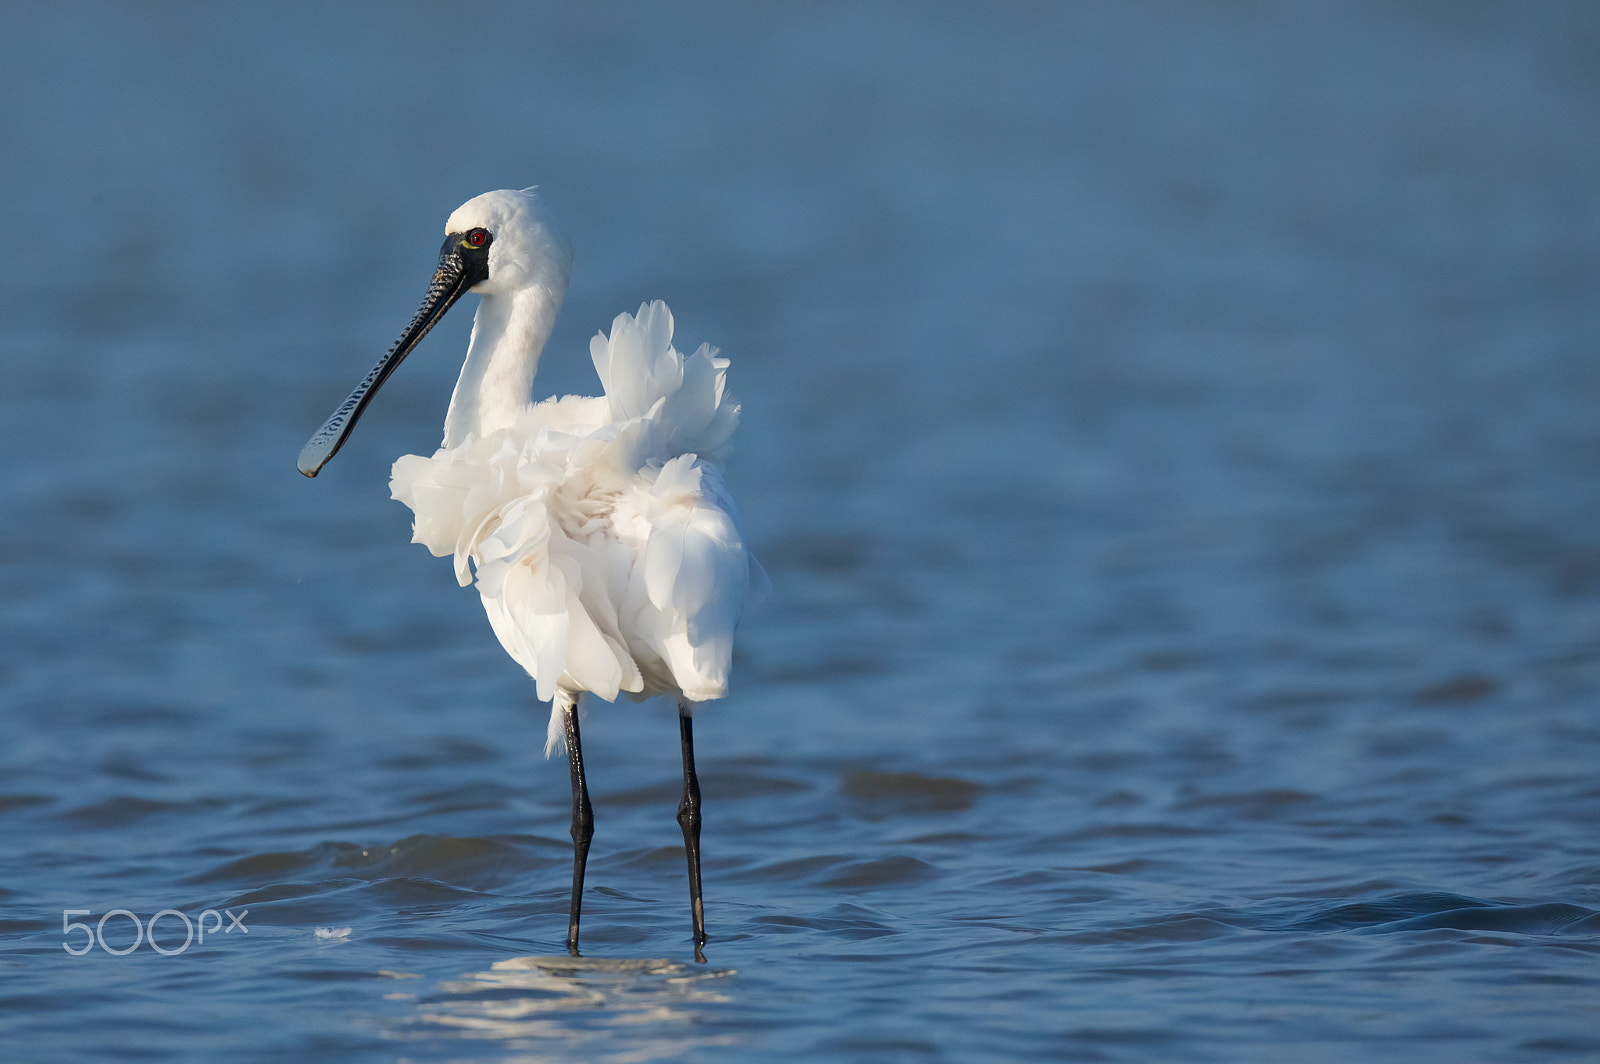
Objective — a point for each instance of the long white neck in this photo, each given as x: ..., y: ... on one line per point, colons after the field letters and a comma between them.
x: 496, y: 381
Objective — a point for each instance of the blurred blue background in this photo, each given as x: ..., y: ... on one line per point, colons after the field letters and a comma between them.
x: 1170, y: 428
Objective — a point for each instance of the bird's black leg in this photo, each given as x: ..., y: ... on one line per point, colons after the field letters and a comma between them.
x: 582, y: 816
x: 689, y: 820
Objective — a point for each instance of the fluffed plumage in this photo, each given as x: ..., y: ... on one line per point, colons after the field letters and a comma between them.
x: 606, y: 546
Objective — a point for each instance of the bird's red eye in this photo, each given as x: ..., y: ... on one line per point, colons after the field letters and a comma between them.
x: 477, y: 237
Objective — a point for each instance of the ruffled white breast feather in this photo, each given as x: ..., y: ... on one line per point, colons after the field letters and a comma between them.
x: 599, y: 531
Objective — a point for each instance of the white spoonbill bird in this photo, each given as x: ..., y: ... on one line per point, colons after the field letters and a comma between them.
x: 599, y: 531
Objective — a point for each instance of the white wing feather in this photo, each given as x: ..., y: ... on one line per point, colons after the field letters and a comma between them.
x: 599, y: 531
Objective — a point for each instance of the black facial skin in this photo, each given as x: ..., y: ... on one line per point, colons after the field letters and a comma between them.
x: 474, y: 258
x: 463, y: 263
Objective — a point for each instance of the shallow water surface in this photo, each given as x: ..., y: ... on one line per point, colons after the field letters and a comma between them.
x: 1170, y: 431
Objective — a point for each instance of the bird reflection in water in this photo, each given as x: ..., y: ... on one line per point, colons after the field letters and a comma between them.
x: 535, y: 1004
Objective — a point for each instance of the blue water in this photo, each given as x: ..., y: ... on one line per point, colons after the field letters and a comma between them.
x: 1171, y: 430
